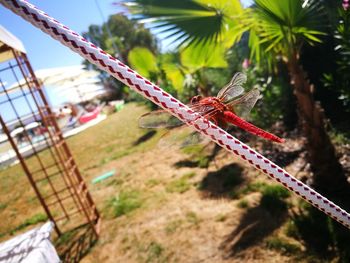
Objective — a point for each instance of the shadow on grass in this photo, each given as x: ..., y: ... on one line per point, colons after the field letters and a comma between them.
x: 282, y: 158
x: 148, y: 135
x: 222, y: 183
x: 199, y: 158
x: 258, y: 222
x: 186, y: 163
x: 73, y: 245
x: 322, y: 236
x: 214, y: 152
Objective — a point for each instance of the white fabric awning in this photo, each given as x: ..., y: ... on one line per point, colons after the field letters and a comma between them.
x: 7, y: 41
x: 80, y: 84
x: 59, y: 76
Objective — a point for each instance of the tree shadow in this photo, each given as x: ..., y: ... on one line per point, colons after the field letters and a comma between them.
x: 148, y: 135
x: 256, y: 224
x: 186, y: 163
x: 222, y: 183
x: 217, y: 148
x: 73, y: 245
x: 332, y: 240
x: 199, y: 159
x: 281, y: 158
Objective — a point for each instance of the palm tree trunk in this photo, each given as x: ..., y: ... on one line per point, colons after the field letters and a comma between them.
x: 328, y: 174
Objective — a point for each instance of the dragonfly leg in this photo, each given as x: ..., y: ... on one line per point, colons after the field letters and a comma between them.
x: 214, y: 120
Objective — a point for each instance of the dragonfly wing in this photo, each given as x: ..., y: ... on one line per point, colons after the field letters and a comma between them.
x: 233, y: 88
x: 243, y: 105
x: 193, y: 139
x: 180, y: 137
x: 200, y: 108
x: 158, y: 119
x: 163, y: 119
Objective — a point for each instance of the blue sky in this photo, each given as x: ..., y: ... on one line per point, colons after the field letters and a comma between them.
x: 42, y: 50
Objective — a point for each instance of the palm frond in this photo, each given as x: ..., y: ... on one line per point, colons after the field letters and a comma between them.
x: 186, y: 21
x: 280, y: 26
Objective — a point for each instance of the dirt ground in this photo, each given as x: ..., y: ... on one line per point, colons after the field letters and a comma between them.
x: 194, y: 226
x: 171, y: 205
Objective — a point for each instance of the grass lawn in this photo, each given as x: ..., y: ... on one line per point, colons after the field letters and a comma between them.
x: 166, y: 205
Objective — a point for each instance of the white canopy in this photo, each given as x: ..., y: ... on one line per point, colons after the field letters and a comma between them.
x: 74, y: 83
x: 80, y: 84
x: 16, y: 131
x: 7, y: 41
x: 59, y: 76
x: 64, y: 75
x: 32, y: 125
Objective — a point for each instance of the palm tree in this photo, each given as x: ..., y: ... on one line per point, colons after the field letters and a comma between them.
x: 277, y: 30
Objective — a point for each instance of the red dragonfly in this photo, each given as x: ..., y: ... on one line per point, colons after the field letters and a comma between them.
x: 224, y: 109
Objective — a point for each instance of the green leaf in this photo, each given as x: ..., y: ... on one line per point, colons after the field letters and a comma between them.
x: 274, y: 26
x: 175, y: 75
x: 143, y: 61
x: 280, y: 25
x: 188, y: 21
x: 200, y: 56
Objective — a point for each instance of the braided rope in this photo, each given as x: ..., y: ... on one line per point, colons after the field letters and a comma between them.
x: 152, y: 92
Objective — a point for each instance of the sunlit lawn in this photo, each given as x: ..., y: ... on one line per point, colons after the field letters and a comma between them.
x: 92, y: 149
x: 165, y: 205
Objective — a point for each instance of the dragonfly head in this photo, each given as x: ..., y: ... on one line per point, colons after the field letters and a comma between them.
x: 210, y: 100
x: 196, y: 99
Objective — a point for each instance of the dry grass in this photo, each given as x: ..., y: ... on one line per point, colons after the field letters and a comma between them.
x: 159, y: 207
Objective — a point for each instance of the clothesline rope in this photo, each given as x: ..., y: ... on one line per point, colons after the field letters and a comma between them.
x: 152, y: 92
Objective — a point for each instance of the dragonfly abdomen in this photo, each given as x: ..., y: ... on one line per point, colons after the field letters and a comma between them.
x: 243, y: 124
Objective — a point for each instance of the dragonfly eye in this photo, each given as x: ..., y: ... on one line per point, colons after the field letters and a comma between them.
x: 196, y: 99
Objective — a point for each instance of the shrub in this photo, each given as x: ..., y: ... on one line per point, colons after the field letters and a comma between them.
x: 125, y: 203
x: 282, y: 245
x: 243, y: 203
x: 180, y: 185
x: 273, y: 198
